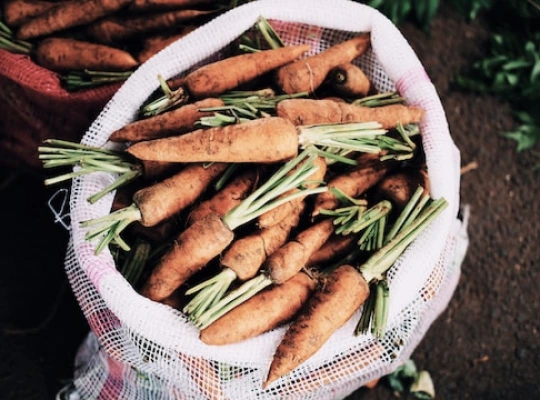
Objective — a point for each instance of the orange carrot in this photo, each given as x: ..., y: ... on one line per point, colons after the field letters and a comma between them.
x: 68, y: 14
x: 307, y: 74
x: 261, y: 313
x: 336, y: 246
x: 312, y: 112
x: 153, y: 44
x: 18, y: 11
x: 340, y: 295
x: 229, y: 73
x: 354, y: 182
x: 169, y: 274
x: 290, y: 258
x: 160, y: 5
x: 399, y: 187
x: 262, y: 140
x: 117, y: 29
x: 62, y: 55
x: 177, y: 121
x: 277, y: 214
x: 349, y: 80
x: 227, y: 198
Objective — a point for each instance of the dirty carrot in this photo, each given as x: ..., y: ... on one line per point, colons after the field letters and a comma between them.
x: 307, y: 74
x: 160, y: 5
x: 62, y: 54
x: 349, y: 80
x: 398, y: 187
x: 311, y: 112
x: 177, y: 121
x: 68, y: 14
x: 181, y: 261
x: 116, y: 29
x: 265, y: 311
x: 18, y: 11
x: 335, y: 246
x: 338, y: 297
x: 153, y: 44
x: 154, y: 204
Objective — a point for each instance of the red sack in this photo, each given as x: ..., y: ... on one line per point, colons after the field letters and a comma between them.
x: 34, y: 107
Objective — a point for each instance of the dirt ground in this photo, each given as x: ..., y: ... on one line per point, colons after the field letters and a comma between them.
x: 484, y: 346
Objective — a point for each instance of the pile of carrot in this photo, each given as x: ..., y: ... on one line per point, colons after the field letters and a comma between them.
x: 296, y: 187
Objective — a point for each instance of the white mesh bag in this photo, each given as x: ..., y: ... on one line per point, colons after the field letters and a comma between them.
x: 140, y: 349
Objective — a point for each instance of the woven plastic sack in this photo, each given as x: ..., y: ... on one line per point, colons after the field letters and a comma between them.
x: 34, y: 107
x: 140, y: 349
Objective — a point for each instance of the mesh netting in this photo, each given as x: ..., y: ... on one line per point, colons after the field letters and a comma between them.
x: 140, y: 349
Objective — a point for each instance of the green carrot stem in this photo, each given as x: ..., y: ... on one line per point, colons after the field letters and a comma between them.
x: 396, y: 226
x: 367, y: 312
x: 416, y: 210
x: 135, y: 262
x: 269, y: 34
x: 380, y: 314
x: 225, y: 176
x: 380, y: 99
x: 124, y: 179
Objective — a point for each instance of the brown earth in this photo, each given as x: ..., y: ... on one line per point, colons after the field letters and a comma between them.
x: 484, y: 346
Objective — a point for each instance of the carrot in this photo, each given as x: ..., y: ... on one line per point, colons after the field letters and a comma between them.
x: 261, y: 313
x: 307, y: 74
x: 261, y: 140
x: 156, y: 203
x: 61, y: 55
x: 335, y: 246
x: 117, y: 29
x: 277, y: 214
x: 349, y: 80
x: 197, y: 243
x: 68, y: 14
x: 339, y: 296
x: 153, y: 44
x: 160, y: 5
x: 311, y: 112
x: 399, y: 187
x: 177, y: 121
x: 353, y: 182
x: 18, y: 11
x: 229, y: 73
x: 227, y: 198
x: 289, y: 259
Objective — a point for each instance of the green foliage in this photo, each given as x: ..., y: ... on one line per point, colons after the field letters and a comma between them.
x: 419, y: 11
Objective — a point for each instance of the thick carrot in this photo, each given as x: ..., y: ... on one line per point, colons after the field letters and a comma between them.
x: 62, y: 55
x: 68, y: 14
x: 116, y: 29
x: 277, y: 214
x: 264, y: 311
x: 18, y: 11
x: 290, y: 258
x: 262, y: 140
x: 246, y: 255
x: 312, y: 112
x: 307, y: 74
x: 354, y: 182
x: 229, y: 73
x: 399, y: 187
x: 349, y: 80
x: 166, y: 198
x: 340, y: 295
x: 160, y: 5
x: 169, y: 274
x: 227, y: 198
x: 153, y: 44
x: 177, y: 121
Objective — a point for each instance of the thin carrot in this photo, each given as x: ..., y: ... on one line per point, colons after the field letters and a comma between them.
x: 354, y: 182
x: 62, y: 55
x: 18, y: 11
x: 68, y: 14
x: 177, y: 121
x: 116, y: 29
x: 265, y: 311
x: 227, y: 198
x: 339, y: 296
x: 311, y: 112
x: 229, y: 73
x: 349, y: 80
x: 262, y: 140
x: 153, y: 44
x: 307, y: 74
x: 336, y: 246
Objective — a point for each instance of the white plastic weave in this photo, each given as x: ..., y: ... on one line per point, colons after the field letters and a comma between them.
x: 140, y: 349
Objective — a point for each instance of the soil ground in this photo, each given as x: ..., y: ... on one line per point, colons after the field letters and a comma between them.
x: 484, y: 346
